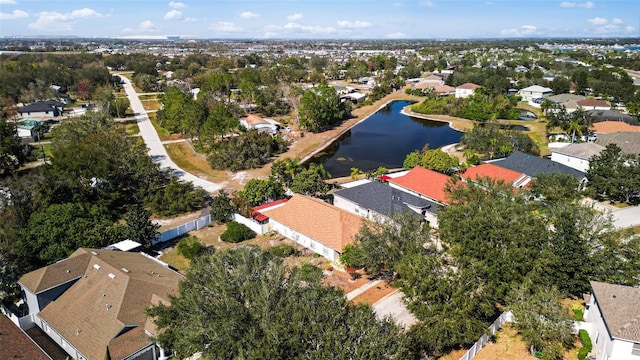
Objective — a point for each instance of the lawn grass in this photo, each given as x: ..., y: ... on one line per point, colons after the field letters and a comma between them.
x: 184, y: 157
x: 162, y: 132
x: 131, y: 128
x: 148, y: 97
x: 171, y: 257
x: 152, y: 104
x: 36, y: 151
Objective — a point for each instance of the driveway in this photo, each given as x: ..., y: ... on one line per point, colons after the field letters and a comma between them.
x: 626, y: 217
x: 156, y: 150
x: 393, y: 305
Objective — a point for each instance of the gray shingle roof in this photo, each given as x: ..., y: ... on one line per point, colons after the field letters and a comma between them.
x: 629, y: 142
x: 41, y: 106
x: 581, y: 150
x: 620, y: 309
x: 533, y: 165
x: 384, y: 199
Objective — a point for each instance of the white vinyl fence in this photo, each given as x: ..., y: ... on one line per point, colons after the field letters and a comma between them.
x: 504, y: 318
x: 192, y: 225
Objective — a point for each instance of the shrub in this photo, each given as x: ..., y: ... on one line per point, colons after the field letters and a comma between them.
x: 237, y: 232
x: 578, y: 314
x: 282, y: 250
x: 190, y: 247
x: 586, y: 344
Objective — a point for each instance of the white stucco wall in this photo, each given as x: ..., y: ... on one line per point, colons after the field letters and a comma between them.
x: 463, y: 93
x: 600, y: 338
x: 570, y: 161
x: 303, y: 240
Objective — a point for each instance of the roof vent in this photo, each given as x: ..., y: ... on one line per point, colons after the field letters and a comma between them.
x: 68, y: 271
x: 96, y: 266
x: 107, y: 306
x: 94, y: 253
x: 77, y: 332
x: 125, y: 270
x: 112, y: 275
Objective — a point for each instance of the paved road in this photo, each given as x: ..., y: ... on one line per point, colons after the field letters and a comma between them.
x: 626, y: 217
x: 393, y: 305
x: 157, y: 152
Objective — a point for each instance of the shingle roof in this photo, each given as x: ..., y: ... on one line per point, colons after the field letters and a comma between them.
x: 594, y: 102
x: 580, y: 150
x: 608, y: 127
x: 629, y: 142
x: 318, y: 220
x: 563, y: 98
x: 426, y: 182
x: 41, y: 106
x: 384, y: 199
x: 533, y: 165
x: 15, y: 344
x: 620, y: 309
x: 492, y: 171
x: 612, y: 115
x: 469, y: 86
x: 537, y: 88
x: 112, y: 293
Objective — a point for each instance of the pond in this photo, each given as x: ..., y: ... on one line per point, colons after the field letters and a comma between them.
x: 384, y: 139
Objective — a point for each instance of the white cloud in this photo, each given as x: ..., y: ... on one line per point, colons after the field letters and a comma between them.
x: 147, y: 26
x: 428, y: 3
x: 311, y: 29
x: 294, y: 17
x: 53, y: 20
x: 397, y: 4
x: 617, y: 21
x: 177, y: 5
x: 597, y: 21
x: 571, y: 4
x: 396, y: 35
x: 248, y: 15
x: 15, y: 14
x: 173, y: 15
x: 8, y: 2
x: 225, y: 27
x: 524, y: 30
x: 190, y: 19
x: 353, y: 24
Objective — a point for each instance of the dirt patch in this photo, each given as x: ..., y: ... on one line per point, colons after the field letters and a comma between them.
x: 169, y: 223
x: 374, y: 294
x: 340, y: 279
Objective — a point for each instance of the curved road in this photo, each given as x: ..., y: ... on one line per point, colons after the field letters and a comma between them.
x: 156, y: 150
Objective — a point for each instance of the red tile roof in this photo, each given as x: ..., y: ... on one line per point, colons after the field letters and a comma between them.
x: 491, y: 171
x: 608, y: 127
x: 426, y: 182
x: 470, y: 86
x: 593, y: 103
x: 318, y: 220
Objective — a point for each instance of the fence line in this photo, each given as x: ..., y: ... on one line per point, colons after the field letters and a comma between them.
x: 192, y: 225
x: 497, y: 324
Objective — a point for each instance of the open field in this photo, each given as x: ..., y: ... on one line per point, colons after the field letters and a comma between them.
x: 186, y: 159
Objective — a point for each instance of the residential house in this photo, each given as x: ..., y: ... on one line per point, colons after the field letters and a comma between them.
x: 629, y: 142
x: 521, y: 69
x: 466, y: 90
x: 375, y: 200
x: 534, y: 92
x: 28, y: 128
x: 613, y: 315
x: 488, y: 170
x: 441, y: 90
x: 594, y: 104
x: 16, y: 344
x: 532, y: 165
x: 42, y: 109
x: 568, y: 101
x: 253, y: 121
x: 613, y: 115
x: 608, y: 127
x: 576, y: 155
x: 92, y: 304
x: 314, y: 224
x: 354, y: 97
x: 423, y: 183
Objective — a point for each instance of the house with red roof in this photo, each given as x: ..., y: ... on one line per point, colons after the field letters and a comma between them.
x: 495, y: 172
x: 466, y: 90
x: 314, y: 224
x: 594, y: 104
x: 424, y: 183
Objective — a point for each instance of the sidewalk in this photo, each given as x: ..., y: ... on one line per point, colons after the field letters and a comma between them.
x: 351, y: 295
x: 156, y: 149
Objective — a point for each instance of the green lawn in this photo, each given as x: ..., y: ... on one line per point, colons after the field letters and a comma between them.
x: 162, y: 132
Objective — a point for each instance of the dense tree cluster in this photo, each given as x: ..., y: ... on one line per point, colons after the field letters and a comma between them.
x: 11, y: 150
x: 479, y: 107
x: 494, y: 243
x: 321, y: 107
x: 244, y: 303
x: 489, y: 141
x: 95, y: 191
x: 434, y: 159
x: 247, y: 150
x: 615, y: 176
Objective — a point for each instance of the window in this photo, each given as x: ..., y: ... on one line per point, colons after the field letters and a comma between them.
x: 636, y: 349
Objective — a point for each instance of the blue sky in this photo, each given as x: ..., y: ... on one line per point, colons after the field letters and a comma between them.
x: 322, y: 19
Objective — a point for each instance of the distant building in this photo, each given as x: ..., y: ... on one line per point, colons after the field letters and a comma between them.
x: 534, y: 92
x: 577, y: 155
x: 466, y: 90
x: 42, y: 109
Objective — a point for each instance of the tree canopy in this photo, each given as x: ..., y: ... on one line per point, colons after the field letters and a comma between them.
x: 320, y: 107
x: 244, y: 303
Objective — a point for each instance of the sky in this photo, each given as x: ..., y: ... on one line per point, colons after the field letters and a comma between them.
x: 321, y: 19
